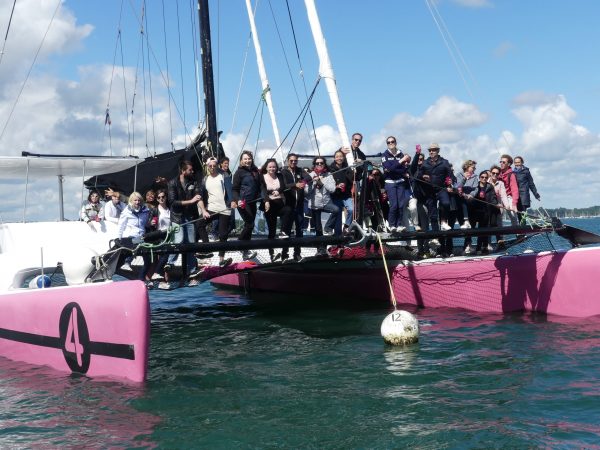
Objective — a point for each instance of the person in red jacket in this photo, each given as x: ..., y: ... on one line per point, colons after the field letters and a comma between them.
x: 509, y: 179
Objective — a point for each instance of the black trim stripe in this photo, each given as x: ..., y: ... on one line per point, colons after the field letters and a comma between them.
x: 122, y: 351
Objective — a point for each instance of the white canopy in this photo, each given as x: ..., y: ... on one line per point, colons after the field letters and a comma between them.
x: 20, y: 167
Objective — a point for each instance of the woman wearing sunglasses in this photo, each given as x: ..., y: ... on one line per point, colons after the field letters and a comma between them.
x: 318, y: 192
x: 481, y: 201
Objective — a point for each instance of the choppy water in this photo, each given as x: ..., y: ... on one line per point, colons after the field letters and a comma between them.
x: 231, y: 372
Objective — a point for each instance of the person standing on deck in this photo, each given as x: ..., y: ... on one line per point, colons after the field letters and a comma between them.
x: 215, y: 206
x: 526, y: 184
x: 395, y: 173
x: 511, y: 185
x: 437, y: 172
x: 184, y: 195
x: 295, y: 179
x: 246, y: 193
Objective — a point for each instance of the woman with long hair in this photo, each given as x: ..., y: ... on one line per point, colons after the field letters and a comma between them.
x: 272, y: 186
x: 246, y: 193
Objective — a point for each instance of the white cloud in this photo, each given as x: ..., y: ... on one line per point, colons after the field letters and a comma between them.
x: 553, y: 145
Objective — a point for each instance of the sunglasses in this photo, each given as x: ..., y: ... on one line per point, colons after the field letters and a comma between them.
x: 319, y: 164
x: 161, y: 196
x: 503, y: 162
x: 293, y: 160
x: 391, y: 142
x: 357, y: 139
x: 495, y: 173
x: 483, y: 177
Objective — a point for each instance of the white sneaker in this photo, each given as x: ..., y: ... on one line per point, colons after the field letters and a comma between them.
x: 434, y: 243
x: 418, y: 228
x: 468, y: 250
x: 465, y: 226
x: 126, y: 267
x: 400, y: 229
x: 445, y: 227
x: 156, y: 276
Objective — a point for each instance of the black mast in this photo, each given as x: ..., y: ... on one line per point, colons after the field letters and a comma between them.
x: 207, y: 78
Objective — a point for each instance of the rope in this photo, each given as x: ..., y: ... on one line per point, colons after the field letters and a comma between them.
x: 167, y: 64
x: 302, y: 114
x: 14, y: 105
x: 7, y: 29
x: 387, y: 272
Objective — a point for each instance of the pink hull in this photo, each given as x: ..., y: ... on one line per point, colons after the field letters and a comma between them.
x: 562, y: 283
x: 101, y: 330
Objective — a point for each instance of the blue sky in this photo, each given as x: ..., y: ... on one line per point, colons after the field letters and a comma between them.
x: 530, y: 69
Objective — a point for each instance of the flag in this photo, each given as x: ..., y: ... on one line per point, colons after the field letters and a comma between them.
x: 107, y: 120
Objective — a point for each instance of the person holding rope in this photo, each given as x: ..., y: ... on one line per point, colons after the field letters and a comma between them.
x: 246, y: 193
x: 184, y: 195
x: 132, y: 224
x: 215, y: 205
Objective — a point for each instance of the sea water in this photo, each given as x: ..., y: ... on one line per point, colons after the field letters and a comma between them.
x: 227, y: 371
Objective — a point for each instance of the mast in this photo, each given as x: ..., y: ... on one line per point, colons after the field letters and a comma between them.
x: 263, y: 78
x: 207, y: 78
x: 326, y: 72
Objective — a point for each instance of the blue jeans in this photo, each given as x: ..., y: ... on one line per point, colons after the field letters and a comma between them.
x: 185, y: 233
x: 335, y: 221
x: 398, y: 196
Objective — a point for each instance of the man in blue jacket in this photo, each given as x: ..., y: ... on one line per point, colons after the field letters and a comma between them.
x: 395, y: 175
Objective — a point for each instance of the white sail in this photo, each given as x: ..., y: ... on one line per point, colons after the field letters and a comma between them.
x: 264, y: 80
x: 326, y: 72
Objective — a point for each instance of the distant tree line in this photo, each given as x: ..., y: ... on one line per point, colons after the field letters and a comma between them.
x: 592, y: 211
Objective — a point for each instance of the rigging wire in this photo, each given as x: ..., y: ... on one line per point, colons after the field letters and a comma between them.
x: 312, y: 143
x: 7, y: 30
x: 195, y: 59
x: 456, y: 55
x: 167, y: 66
x: 302, y: 115
x: 181, y: 72
x: 237, y: 98
x: 144, y: 76
x: 312, y: 121
x: 14, y: 105
x: 147, y: 32
x: 157, y: 63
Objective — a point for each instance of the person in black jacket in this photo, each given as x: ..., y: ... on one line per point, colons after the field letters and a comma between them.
x: 246, y: 193
x: 184, y: 195
x: 437, y: 173
x: 526, y: 184
x: 272, y: 188
x: 295, y: 179
x: 480, y: 203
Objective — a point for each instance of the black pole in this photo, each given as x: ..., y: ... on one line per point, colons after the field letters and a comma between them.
x: 207, y: 78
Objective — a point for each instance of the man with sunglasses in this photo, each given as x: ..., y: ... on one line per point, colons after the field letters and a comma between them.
x: 436, y: 173
x: 357, y: 153
x: 295, y: 179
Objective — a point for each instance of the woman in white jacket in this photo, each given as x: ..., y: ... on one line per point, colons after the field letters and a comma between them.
x: 132, y: 224
x: 318, y: 193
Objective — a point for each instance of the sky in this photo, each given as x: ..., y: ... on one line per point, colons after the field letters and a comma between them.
x: 480, y: 77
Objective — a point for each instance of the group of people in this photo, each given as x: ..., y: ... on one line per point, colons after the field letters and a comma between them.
x: 419, y: 191
x: 436, y: 198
